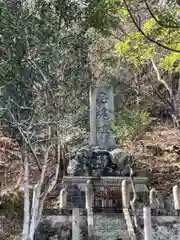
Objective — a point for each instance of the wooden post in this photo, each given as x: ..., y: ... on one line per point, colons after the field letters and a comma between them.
x: 152, y: 198
x: 176, y: 196
x: 125, y: 194
x: 75, y: 224
x: 147, y: 223
x: 89, y: 207
x: 63, y: 198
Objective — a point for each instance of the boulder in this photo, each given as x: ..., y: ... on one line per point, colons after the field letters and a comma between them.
x: 121, y: 158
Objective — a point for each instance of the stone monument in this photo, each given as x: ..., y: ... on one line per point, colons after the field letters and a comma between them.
x: 101, y: 160
x: 101, y: 116
x: 99, y: 176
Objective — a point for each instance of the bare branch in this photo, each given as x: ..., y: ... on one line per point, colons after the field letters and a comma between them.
x: 26, y: 140
x: 174, y: 113
x: 144, y: 34
x: 155, y: 18
x: 160, y: 79
x: 51, y: 185
x: 132, y: 203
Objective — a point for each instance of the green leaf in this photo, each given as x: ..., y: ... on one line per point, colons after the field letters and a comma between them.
x: 170, y: 62
x: 148, y: 25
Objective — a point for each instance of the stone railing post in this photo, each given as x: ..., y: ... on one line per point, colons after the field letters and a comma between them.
x: 147, y: 223
x: 63, y: 198
x: 152, y: 198
x: 75, y: 224
x: 125, y: 188
x: 125, y: 194
x: 89, y: 207
x: 176, y: 196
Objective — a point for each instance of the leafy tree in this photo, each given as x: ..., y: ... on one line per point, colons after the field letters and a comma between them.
x: 44, y: 46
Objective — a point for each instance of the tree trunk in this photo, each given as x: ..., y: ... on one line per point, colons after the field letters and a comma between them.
x: 26, y: 222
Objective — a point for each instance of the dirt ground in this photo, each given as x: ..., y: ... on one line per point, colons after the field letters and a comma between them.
x: 157, y: 154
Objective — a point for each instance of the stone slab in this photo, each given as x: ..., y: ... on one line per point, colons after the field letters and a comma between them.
x: 103, y: 180
x: 101, y: 115
x: 140, y: 182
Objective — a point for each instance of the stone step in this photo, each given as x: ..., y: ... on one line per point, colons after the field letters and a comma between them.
x: 106, y: 227
x: 111, y: 235
x: 110, y: 227
x: 107, y: 222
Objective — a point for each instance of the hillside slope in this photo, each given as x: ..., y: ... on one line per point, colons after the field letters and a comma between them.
x: 157, y: 153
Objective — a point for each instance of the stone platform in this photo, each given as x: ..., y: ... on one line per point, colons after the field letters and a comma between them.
x: 80, y: 181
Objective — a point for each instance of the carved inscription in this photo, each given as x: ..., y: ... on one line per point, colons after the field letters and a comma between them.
x: 103, y: 98
x: 102, y: 113
x: 103, y: 129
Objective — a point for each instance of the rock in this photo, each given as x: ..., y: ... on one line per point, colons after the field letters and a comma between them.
x: 120, y: 158
x: 125, y: 172
x: 93, y: 161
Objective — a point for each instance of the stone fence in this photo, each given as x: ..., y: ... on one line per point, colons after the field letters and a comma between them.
x: 129, y: 213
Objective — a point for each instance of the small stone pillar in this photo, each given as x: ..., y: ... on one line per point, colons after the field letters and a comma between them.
x: 125, y: 188
x: 147, y: 223
x: 75, y: 224
x: 89, y: 207
x: 176, y: 196
x: 63, y: 198
x: 152, y: 198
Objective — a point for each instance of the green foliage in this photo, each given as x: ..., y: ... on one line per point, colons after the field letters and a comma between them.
x: 134, y: 50
x: 137, y: 49
x: 148, y: 25
x: 43, y: 49
x: 101, y: 14
x: 129, y: 124
x: 171, y: 62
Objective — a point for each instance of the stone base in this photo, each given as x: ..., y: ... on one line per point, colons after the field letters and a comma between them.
x: 107, y: 226
x: 140, y: 182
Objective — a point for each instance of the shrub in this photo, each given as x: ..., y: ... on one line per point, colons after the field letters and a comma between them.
x: 130, y: 124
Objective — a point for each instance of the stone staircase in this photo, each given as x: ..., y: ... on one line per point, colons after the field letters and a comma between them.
x: 110, y: 227
x: 106, y: 226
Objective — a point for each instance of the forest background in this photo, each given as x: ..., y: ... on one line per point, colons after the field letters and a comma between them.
x: 51, y: 52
